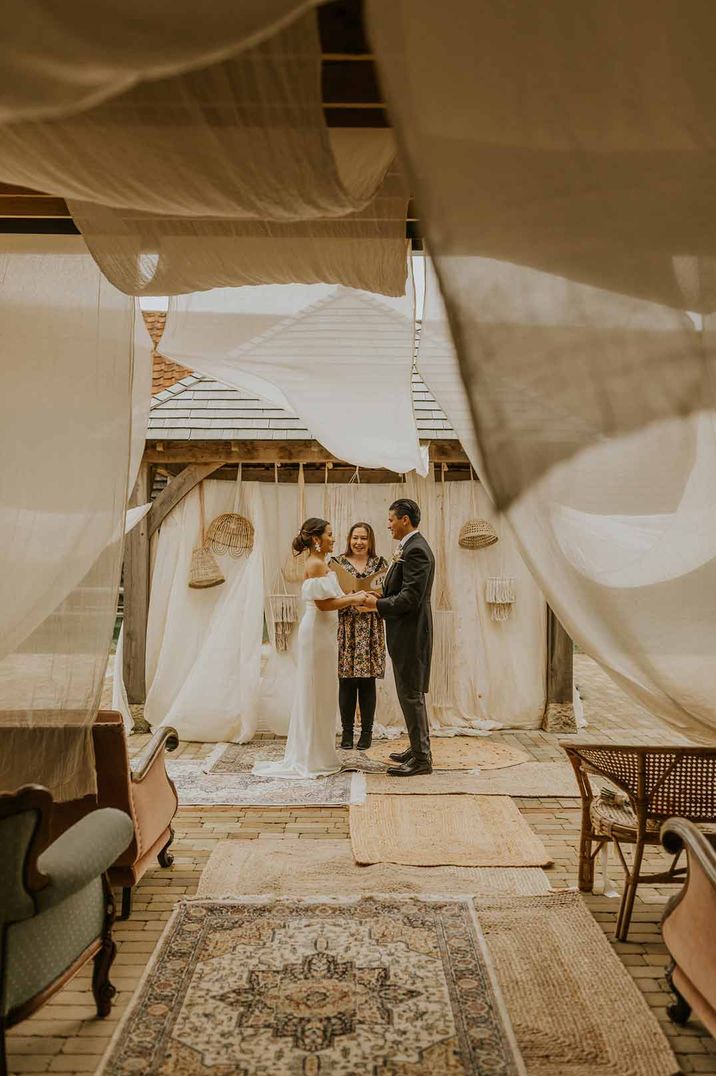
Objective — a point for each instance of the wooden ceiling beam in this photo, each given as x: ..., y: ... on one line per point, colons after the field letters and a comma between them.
x: 173, y: 452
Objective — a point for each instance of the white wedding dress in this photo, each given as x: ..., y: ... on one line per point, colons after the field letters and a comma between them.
x: 311, y: 746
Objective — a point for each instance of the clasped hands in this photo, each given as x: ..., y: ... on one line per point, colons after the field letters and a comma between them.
x: 367, y: 602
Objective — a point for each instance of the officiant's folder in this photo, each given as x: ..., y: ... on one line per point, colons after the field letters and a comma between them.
x: 349, y: 583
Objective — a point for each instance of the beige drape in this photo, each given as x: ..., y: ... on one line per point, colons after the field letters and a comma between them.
x: 563, y: 159
x: 67, y: 356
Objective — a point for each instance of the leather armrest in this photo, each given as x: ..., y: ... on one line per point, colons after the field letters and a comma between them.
x: 165, y: 738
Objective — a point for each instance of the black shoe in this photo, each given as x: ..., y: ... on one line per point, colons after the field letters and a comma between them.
x: 402, y: 756
x: 347, y: 741
x: 412, y: 768
x: 366, y: 739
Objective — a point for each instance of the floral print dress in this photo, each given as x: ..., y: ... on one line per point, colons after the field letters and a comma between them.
x: 361, y: 638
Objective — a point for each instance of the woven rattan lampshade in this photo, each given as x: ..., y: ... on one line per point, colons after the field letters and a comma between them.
x: 204, y: 572
x: 476, y: 534
x: 230, y: 533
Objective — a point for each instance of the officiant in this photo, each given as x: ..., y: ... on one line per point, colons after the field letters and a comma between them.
x: 361, y: 640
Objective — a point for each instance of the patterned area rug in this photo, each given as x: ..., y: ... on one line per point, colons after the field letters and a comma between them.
x: 242, y: 757
x: 457, y: 753
x: 426, y: 831
x: 394, y: 987
x: 528, y: 780
x: 284, y: 868
x: 197, y: 788
x: 575, y: 1008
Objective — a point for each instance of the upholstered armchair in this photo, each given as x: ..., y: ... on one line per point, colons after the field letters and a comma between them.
x: 56, y: 907
x: 141, y: 788
x: 687, y: 926
x: 654, y: 783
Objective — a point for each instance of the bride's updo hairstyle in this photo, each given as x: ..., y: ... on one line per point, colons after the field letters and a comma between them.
x: 311, y: 530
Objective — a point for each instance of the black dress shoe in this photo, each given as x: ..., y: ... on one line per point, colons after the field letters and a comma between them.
x: 347, y: 743
x: 401, y: 756
x: 412, y: 768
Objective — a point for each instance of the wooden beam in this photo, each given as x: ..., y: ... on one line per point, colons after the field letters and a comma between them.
x: 175, y: 491
x: 221, y: 452
x: 559, y: 713
x: 136, y: 595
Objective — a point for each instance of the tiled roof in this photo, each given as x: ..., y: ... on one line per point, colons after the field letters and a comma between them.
x: 165, y: 373
x: 189, y: 406
x: 198, y: 408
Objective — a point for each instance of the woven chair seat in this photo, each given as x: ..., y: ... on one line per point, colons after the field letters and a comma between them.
x: 611, y: 819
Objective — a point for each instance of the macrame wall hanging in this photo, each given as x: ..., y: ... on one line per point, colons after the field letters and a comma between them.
x: 500, y: 593
x: 476, y: 533
x: 204, y: 572
x: 294, y: 567
x: 231, y: 532
x: 283, y: 608
x: 444, y: 616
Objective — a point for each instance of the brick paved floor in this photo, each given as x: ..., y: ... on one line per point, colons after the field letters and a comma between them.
x: 64, y: 1037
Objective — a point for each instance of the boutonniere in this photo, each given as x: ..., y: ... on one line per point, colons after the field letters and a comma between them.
x: 398, y: 555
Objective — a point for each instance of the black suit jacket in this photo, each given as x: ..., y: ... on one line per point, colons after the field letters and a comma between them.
x: 408, y: 617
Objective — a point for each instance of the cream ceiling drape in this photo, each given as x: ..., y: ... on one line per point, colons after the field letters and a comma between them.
x: 68, y: 355
x: 59, y: 58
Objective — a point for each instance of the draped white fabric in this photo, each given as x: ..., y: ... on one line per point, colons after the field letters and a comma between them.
x: 66, y: 346
x: 204, y: 669
x: 568, y: 207
x: 440, y: 370
x: 150, y: 255
x: 203, y: 646
x: 341, y: 359
x: 51, y: 66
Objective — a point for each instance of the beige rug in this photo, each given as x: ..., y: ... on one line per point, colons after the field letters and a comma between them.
x: 555, y: 779
x: 574, y: 1008
x: 297, y: 868
x: 423, y: 831
x: 456, y: 752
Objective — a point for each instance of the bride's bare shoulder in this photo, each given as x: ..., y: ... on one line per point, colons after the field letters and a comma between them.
x: 315, y: 570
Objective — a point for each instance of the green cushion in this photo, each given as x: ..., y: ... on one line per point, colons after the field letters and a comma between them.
x: 83, y: 852
x: 40, y: 949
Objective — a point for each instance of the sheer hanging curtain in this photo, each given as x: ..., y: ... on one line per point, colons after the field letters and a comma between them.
x: 342, y: 360
x: 569, y: 216
x: 52, y: 66
x: 66, y: 339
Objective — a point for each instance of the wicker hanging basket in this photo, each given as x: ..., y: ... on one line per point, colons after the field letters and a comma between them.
x: 500, y: 596
x: 204, y: 572
x: 294, y: 568
x: 230, y: 532
x: 476, y: 533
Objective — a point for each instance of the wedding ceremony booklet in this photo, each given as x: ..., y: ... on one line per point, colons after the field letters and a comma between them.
x: 349, y: 583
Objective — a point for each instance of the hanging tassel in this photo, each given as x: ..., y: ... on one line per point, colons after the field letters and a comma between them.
x: 500, y: 596
x: 284, y: 613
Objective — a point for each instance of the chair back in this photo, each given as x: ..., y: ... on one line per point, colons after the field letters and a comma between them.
x: 23, y: 836
x: 660, y: 781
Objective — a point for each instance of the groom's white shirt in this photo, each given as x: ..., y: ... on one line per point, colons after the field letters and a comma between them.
x: 406, y: 538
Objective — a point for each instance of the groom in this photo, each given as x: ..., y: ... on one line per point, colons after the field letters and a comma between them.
x: 405, y: 607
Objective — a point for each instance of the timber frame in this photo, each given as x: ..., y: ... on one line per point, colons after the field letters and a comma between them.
x: 186, y: 463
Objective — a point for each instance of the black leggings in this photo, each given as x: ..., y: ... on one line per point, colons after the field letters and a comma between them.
x: 361, y: 689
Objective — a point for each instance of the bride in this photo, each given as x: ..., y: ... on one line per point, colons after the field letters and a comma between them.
x: 311, y: 746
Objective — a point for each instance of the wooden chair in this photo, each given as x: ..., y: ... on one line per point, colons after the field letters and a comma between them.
x: 687, y: 926
x: 141, y: 788
x: 56, y: 906
x: 658, y: 783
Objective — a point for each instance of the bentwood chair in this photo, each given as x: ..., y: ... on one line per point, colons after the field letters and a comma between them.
x: 657, y: 783
x: 687, y: 926
x: 56, y: 906
x: 141, y: 788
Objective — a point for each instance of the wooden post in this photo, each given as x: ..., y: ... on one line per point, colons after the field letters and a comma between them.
x: 136, y: 596
x: 559, y: 711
